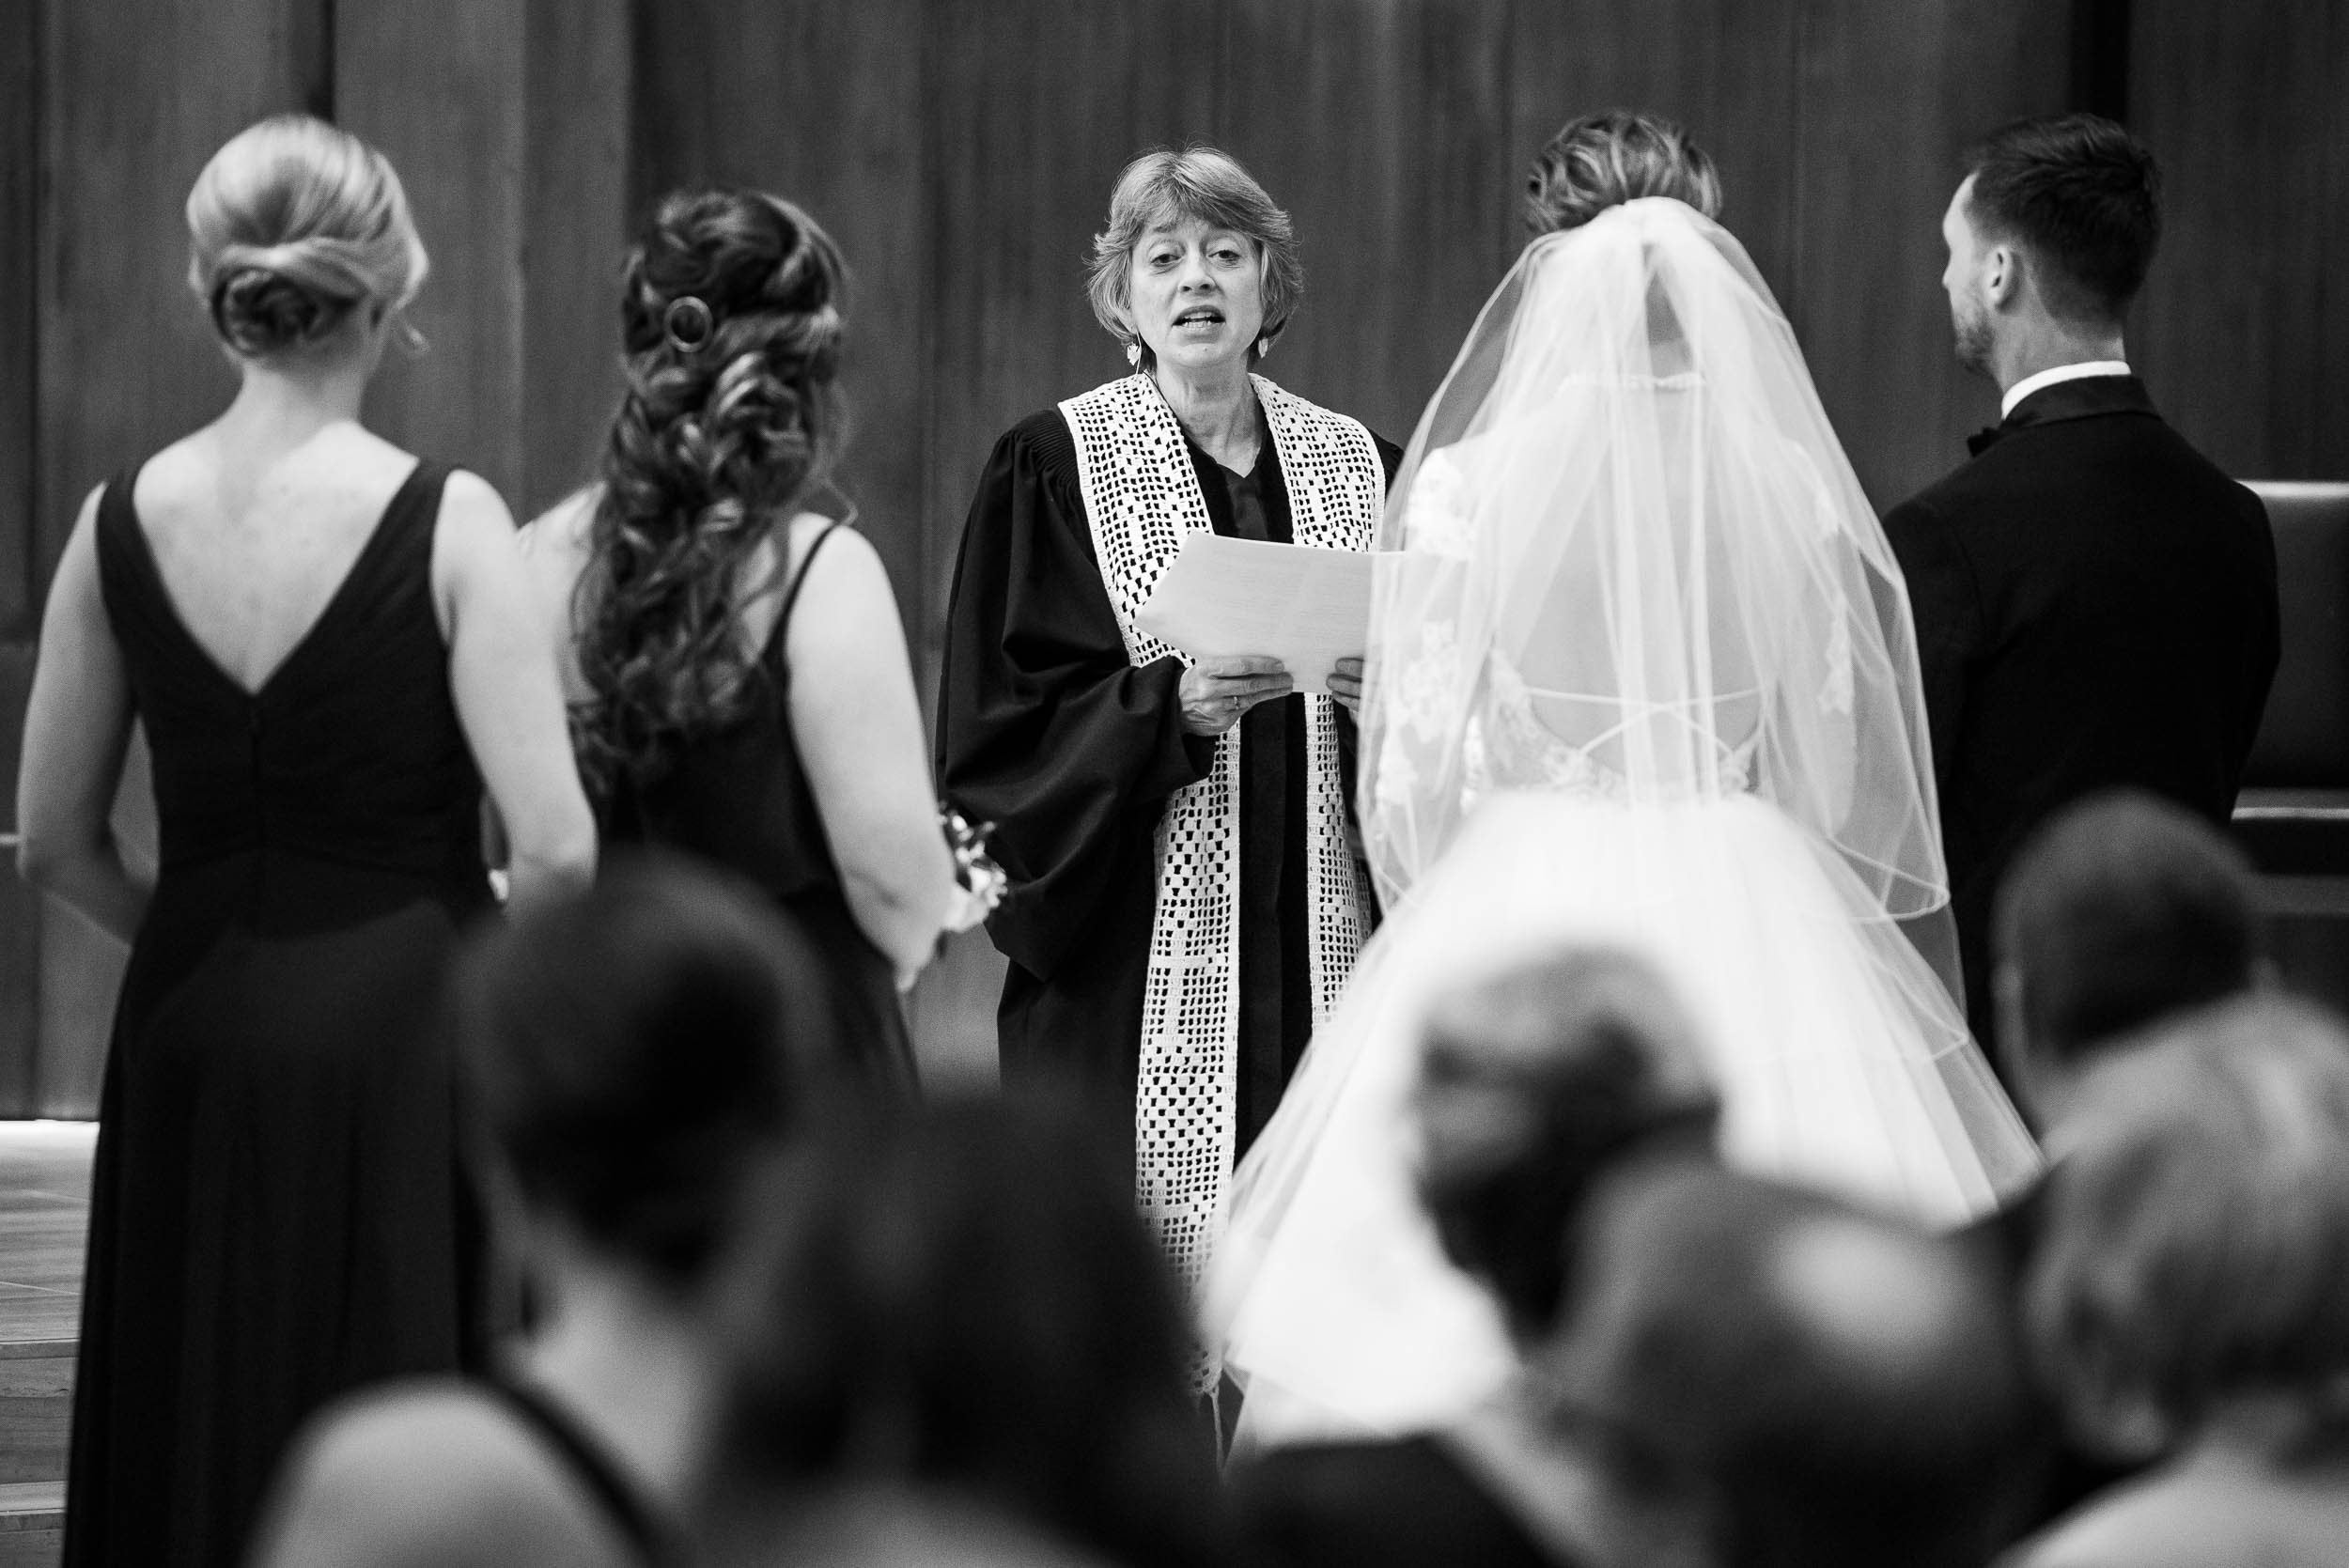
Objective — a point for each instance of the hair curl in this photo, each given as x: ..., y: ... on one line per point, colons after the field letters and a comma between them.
x: 1616, y: 156
x: 715, y: 441
x: 293, y: 224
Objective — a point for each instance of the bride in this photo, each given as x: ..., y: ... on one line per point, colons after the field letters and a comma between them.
x: 1642, y: 673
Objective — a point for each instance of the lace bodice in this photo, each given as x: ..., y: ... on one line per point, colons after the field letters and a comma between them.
x: 1506, y: 746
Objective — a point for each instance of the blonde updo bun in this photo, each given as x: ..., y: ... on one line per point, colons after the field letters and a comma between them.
x: 291, y: 224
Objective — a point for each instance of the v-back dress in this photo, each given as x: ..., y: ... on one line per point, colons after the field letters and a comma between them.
x: 740, y: 798
x: 277, y: 1213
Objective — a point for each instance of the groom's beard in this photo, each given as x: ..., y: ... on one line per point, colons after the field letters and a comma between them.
x: 1973, y: 343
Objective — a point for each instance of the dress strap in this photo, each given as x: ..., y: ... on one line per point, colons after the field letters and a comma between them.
x: 798, y: 581
x: 588, y: 1462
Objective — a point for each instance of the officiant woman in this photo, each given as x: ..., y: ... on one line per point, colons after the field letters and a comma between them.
x: 1184, y: 902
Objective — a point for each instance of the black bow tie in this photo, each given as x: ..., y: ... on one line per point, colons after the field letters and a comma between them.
x: 1984, y: 440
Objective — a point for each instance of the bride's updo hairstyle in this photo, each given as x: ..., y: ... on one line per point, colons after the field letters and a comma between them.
x: 731, y: 418
x: 292, y: 226
x: 1613, y: 156
x: 731, y: 317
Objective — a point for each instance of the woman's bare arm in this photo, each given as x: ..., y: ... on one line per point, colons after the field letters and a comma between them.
x: 501, y: 672
x: 859, y: 728
x: 77, y: 726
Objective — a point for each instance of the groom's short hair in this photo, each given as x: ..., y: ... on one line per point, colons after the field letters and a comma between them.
x: 2082, y: 197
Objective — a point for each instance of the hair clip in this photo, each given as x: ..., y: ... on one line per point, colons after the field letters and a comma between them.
x: 689, y: 324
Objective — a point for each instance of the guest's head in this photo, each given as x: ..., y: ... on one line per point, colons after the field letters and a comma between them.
x: 1616, y: 156
x: 634, y: 1056
x: 2122, y: 908
x: 731, y: 316
x: 962, y: 1301
x: 2193, y: 1273
x: 1197, y: 268
x: 300, y: 244
x: 1532, y: 1083
x: 1779, y: 1380
x: 2049, y: 235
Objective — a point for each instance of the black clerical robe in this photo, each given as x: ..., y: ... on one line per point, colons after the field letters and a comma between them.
x: 1048, y: 730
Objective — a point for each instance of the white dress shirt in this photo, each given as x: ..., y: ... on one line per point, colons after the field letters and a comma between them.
x: 2049, y: 377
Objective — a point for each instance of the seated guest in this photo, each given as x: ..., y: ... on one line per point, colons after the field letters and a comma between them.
x: 2095, y: 602
x: 1758, y: 1377
x: 632, y: 1054
x: 1534, y: 1082
x: 2122, y: 910
x: 2190, y: 1301
x: 957, y: 1311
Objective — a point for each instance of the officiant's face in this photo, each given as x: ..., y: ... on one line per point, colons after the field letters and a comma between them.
x: 1970, y: 312
x: 1197, y: 295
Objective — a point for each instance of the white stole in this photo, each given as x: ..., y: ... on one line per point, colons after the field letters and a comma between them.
x: 1142, y: 495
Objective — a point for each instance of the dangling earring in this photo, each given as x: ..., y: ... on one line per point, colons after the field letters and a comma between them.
x: 1264, y: 346
x: 1133, y: 355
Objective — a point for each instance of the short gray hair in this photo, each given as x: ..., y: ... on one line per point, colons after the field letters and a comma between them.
x: 2195, y: 1235
x: 1200, y: 183
x: 1613, y: 156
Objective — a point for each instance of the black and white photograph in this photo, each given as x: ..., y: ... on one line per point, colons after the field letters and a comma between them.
x: 1166, y: 784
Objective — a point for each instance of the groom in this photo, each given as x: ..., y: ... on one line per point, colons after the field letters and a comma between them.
x: 2095, y: 602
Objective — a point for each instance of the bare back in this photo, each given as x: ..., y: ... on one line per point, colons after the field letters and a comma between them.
x: 254, y: 545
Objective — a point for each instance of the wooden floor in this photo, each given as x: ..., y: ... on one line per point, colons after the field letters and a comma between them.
x: 44, y: 1210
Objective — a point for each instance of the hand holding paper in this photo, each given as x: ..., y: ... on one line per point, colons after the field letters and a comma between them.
x: 1222, y: 596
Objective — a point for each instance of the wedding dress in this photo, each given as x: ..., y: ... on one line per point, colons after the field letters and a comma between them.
x: 1642, y: 674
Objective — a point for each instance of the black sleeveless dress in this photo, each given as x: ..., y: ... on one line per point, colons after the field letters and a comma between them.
x: 740, y: 799
x: 277, y: 1213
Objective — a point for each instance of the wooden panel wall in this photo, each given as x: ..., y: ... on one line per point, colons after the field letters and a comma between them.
x: 108, y: 109
x: 438, y: 86
x: 963, y: 154
x: 2243, y: 331
x: 20, y: 349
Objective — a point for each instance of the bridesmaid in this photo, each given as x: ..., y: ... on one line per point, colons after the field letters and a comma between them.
x: 738, y: 675
x: 333, y: 645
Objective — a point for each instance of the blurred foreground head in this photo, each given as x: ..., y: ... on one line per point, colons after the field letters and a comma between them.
x: 2196, y: 1256
x: 2122, y: 909
x: 1776, y: 1380
x: 1535, y: 1081
x: 635, y: 1053
x: 960, y: 1303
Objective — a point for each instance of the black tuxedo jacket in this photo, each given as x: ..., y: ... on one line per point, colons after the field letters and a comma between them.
x: 2096, y: 606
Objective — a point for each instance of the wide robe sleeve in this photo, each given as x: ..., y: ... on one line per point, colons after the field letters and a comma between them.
x: 1044, y: 727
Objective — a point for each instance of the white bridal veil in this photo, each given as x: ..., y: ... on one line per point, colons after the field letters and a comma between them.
x: 1627, y: 498
x: 1642, y: 673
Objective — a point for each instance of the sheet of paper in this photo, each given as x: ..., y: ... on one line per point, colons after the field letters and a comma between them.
x: 1221, y: 596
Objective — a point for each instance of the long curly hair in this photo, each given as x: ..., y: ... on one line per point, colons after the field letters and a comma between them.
x: 731, y: 314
